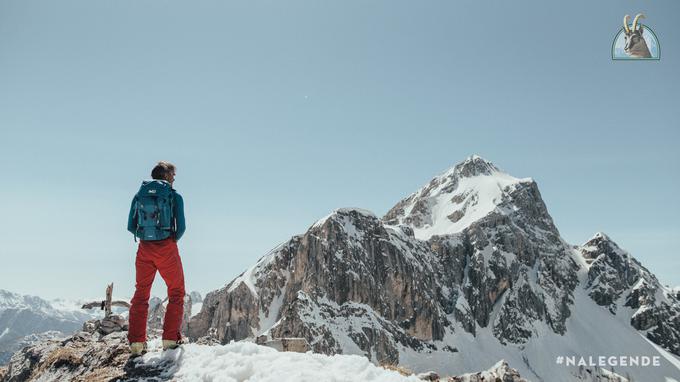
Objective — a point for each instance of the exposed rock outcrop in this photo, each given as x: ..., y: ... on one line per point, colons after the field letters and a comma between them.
x: 498, y: 372
x: 82, y: 357
x: 474, y: 250
x: 618, y: 281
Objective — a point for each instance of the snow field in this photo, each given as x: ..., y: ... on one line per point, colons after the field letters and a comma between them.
x: 246, y: 361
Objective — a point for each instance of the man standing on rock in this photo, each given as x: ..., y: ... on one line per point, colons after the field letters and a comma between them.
x: 157, y: 219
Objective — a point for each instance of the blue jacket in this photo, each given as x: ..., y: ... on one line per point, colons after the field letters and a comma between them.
x: 180, y: 225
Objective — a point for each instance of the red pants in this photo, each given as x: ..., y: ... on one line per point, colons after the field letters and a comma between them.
x: 161, y: 256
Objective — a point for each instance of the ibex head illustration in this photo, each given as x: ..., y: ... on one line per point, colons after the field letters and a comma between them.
x: 635, y: 43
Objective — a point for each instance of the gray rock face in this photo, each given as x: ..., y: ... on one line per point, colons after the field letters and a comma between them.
x: 156, y: 317
x: 612, y: 272
x: 473, y: 249
x: 107, y: 325
x: 226, y: 315
x: 82, y: 357
x: 196, y: 297
x: 298, y: 345
x: 498, y: 372
x: 347, y: 266
x: 355, y: 267
x: 514, y: 260
x: 618, y: 281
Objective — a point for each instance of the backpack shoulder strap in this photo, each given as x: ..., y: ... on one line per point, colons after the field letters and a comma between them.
x: 173, y: 225
x: 135, y: 201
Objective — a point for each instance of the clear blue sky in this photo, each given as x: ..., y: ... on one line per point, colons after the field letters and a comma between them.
x: 277, y: 112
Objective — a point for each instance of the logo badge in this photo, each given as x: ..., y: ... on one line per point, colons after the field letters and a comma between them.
x: 635, y: 41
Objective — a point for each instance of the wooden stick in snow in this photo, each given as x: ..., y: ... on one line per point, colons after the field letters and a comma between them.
x: 106, y: 304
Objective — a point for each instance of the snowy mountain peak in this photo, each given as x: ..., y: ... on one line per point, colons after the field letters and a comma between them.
x: 13, y: 300
x: 24, y: 319
x: 601, y: 236
x: 493, y: 274
x: 621, y: 284
x: 344, y: 212
x: 601, y: 243
x: 474, y: 165
x: 460, y: 196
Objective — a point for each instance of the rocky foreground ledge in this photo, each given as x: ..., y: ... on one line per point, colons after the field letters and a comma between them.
x: 81, y: 357
x: 94, y: 357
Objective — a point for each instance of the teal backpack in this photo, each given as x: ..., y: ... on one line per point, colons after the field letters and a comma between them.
x: 153, y: 211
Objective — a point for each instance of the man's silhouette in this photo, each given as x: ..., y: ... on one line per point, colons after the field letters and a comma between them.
x: 157, y: 219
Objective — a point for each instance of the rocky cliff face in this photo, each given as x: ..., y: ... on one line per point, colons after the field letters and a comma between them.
x: 408, y: 286
x: 619, y: 282
x: 507, y: 267
x: 81, y: 357
x: 315, y: 286
x: 471, y: 258
x: 157, y: 309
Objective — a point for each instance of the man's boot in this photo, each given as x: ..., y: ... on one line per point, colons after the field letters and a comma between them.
x: 137, y: 348
x: 171, y: 344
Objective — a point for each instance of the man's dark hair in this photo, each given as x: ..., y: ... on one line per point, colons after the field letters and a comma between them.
x: 162, y: 170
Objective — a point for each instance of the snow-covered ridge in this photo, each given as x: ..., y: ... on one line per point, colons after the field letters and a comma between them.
x: 343, y: 211
x: 25, y: 319
x: 474, y: 165
x: 610, y: 264
x: 343, y: 215
x: 468, y: 270
x: 58, y: 308
x: 9, y: 300
x: 249, y: 276
x: 455, y: 199
x: 630, y: 292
